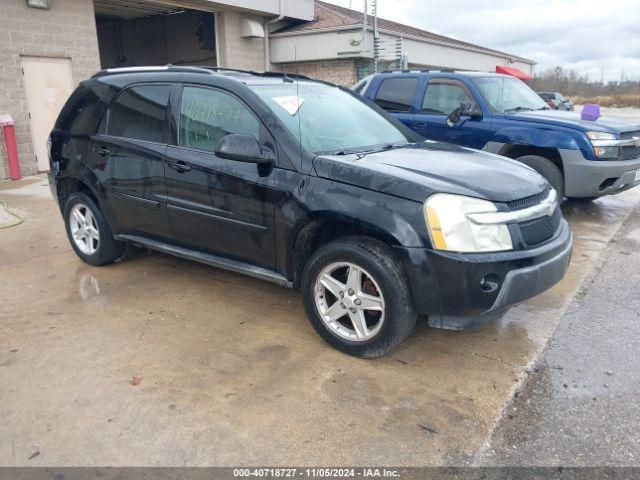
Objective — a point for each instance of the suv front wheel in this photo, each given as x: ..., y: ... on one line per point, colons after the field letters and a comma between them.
x: 357, y: 298
x: 89, y: 232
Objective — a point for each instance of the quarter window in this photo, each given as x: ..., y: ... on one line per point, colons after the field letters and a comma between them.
x: 444, y: 98
x: 140, y: 113
x: 207, y: 115
x: 397, y: 94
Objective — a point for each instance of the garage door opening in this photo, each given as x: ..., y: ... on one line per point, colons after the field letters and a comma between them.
x: 135, y: 33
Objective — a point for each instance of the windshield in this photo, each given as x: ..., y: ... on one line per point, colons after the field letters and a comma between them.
x: 326, y: 119
x: 508, y: 94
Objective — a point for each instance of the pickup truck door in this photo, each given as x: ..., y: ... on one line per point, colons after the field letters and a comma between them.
x: 441, y: 97
x: 216, y: 205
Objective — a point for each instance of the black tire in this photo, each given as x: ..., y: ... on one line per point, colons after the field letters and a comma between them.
x: 108, y: 249
x: 547, y: 169
x: 378, y: 260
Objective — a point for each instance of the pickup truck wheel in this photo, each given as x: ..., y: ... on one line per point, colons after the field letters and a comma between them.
x: 357, y: 298
x: 547, y: 169
x: 89, y: 233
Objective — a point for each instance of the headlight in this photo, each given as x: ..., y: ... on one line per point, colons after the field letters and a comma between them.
x: 451, y: 229
x: 601, y: 136
x: 605, y: 145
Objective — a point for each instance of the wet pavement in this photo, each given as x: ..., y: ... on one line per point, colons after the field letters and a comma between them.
x: 580, y: 407
x: 160, y: 361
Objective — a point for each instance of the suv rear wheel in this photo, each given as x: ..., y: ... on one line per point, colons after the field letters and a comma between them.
x: 89, y: 233
x: 357, y: 298
x: 547, y: 169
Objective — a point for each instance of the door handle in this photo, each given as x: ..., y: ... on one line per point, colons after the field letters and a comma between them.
x: 421, y: 124
x: 102, y: 151
x: 179, y: 167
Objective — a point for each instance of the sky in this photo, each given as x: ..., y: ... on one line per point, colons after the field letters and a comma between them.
x: 597, y: 38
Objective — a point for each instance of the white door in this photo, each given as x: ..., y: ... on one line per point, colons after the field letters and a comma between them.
x: 48, y: 82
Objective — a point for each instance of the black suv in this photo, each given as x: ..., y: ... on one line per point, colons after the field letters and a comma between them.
x: 307, y: 185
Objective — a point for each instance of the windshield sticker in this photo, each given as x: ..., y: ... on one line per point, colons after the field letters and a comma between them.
x: 290, y: 103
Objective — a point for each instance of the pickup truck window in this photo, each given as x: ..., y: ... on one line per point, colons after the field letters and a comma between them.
x: 397, y: 94
x: 207, y: 115
x: 139, y: 113
x: 444, y: 96
x: 508, y: 94
x: 326, y: 119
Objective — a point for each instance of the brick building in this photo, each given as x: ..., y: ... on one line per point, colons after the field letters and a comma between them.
x: 48, y: 46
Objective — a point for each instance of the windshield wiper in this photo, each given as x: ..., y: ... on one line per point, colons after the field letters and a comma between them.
x: 362, y: 153
x: 518, y: 109
x: 390, y: 146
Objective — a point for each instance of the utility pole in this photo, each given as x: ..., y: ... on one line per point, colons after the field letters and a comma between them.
x: 365, y: 28
x: 376, y: 37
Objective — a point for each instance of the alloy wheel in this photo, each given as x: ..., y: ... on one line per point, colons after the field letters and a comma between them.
x: 349, y: 301
x: 84, y: 229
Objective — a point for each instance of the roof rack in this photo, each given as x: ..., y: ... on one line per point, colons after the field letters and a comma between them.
x: 194, y: 69
x: 155, y: 68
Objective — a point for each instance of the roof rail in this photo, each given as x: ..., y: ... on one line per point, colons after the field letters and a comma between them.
x: 403, y: 71
x: 260, y: 74
x: 194, y: 69
x: 154, y: 68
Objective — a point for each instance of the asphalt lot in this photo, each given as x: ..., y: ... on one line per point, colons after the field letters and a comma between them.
x: 160, y: 361
x: 579, y: 407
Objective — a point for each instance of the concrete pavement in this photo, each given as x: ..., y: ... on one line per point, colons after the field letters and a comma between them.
x: 160, y: 361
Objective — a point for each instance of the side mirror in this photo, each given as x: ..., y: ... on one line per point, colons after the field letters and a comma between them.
x: 242, y: 147
x: 466, y: 109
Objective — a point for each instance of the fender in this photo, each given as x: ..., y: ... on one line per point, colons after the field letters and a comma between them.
x: 79, y: 172
x: 396, y: 221
x: 517, y: 132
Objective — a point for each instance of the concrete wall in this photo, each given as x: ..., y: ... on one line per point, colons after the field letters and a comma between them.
x: 66, y: 30
x: 339, y: 43
x: 235, y: 51
x: 341, y: 72
x: 315, y: 46
x: 298, y: 9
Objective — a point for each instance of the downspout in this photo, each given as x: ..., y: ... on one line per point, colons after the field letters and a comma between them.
x: 267, y: 53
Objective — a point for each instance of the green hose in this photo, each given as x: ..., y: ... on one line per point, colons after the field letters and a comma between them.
x: 13, y: 214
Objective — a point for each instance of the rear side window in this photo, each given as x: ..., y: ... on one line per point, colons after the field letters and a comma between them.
x: 84, y: 109
x: 207, y: 115
x: 139, y: 113
x: 397, y: 94
x: 443, y: 97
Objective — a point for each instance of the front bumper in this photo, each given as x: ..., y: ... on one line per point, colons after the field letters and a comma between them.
x: 595, y: 178
x: 457, y: 291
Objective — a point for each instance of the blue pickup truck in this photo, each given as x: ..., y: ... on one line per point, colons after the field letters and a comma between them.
x: 501, y: 114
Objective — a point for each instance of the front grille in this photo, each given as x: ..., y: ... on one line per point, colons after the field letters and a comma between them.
x: 528, y: 201
x: 627, y: 153
x: 541, y: 229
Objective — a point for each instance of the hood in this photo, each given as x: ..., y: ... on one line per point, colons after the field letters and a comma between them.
x: 573, y: 120
x: 415, y: 172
